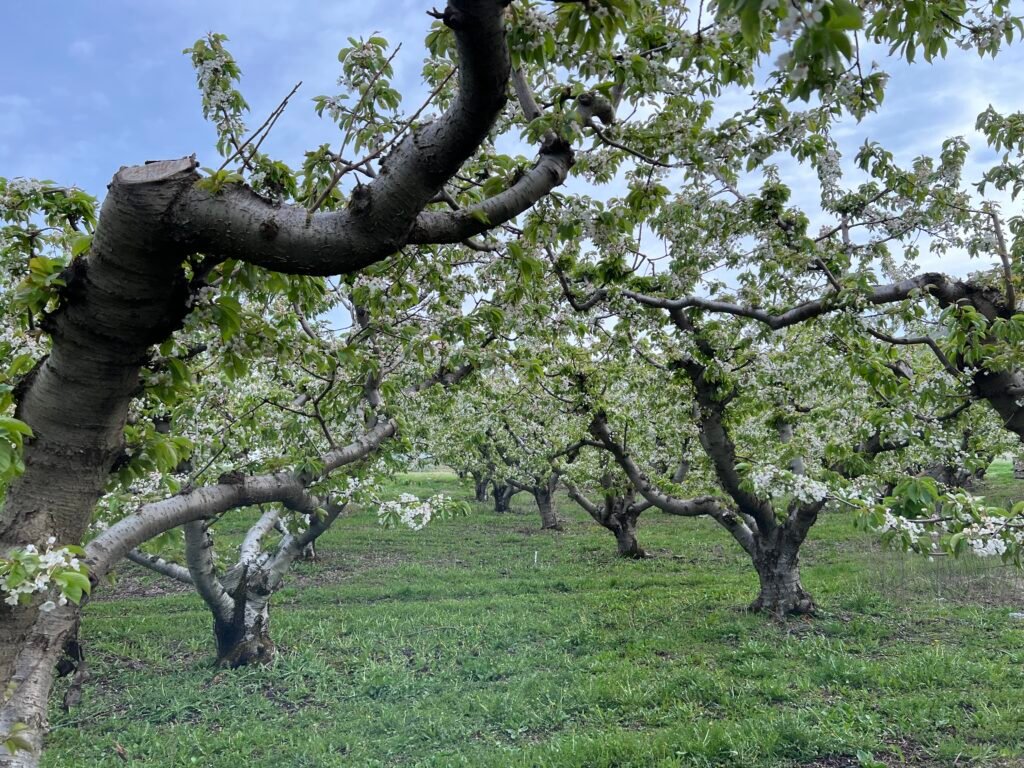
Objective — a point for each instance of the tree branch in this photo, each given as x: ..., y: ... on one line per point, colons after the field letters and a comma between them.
x: 161, y: 566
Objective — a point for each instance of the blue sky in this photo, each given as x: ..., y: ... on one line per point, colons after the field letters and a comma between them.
x: 88, y: 87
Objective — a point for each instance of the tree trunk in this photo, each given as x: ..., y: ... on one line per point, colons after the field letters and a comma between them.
x: 245, y: 637
x: 1018, y: 468
x: 624, y: 529
x: 76, y: 400
x: 502, y: 497
x: 26, y: 699
x: 245, y: 640
x: 778, y: 569
x: 545, y: 502
x: 480, y: 483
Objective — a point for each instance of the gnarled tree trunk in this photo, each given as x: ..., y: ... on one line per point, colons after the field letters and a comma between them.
x: 480, y: 483
x: 777, y: 561
x: 502, y: 496
x: 245, y: 637
x: 545, y: 498
x: 623, y: 526
x: 619, y: 514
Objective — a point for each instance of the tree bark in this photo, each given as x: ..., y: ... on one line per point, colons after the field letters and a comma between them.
x: 778, y: 570
x: 545, y: 497
x: 245, y: 637
x: 480, y: 483
x: 502, y: 497
x: 624, y: 529
x: 28, y: 688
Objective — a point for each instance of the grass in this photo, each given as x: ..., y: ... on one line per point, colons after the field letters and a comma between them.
x: 1000, y: 487
x: 482, y: 642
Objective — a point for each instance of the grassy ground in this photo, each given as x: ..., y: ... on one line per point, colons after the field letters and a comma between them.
x: 482, y: 642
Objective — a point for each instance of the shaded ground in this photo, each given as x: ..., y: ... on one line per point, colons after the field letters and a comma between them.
x: 483, y: 643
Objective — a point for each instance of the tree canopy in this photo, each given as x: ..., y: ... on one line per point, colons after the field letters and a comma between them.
x: 580, y: 257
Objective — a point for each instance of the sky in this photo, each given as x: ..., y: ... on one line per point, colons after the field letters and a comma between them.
x: 86, y: 88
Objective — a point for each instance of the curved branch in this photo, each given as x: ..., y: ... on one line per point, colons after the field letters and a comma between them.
x: 161, y: 566
x: 948, y: 291
x: 250, y: 549
x: 203, y: 570
x: 698, y: 507
x: 550, y: 170
x: 926, y: 340
x: 237, y: 223
x: 580, y: 498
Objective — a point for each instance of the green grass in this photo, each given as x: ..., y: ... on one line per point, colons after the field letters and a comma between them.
x: 1000, y: 487
x: 482, y: 642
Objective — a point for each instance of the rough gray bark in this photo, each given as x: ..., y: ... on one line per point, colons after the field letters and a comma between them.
x: 624, y: 529
x: 240, y: 600
x: 243, y: 637
x: 544, y: 495
x: 781, y: 593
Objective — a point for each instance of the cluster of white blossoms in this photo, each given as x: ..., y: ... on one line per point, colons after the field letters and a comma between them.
x: 219, y: 101
x: 21, y: 187
x: 770, y: 481
x: 986, y: 540
x: 534, y: 23
x: 27, y: 571
x: 913, y: 531
x: 410, y: 511
x: 830, y: 172
x: 800, y: 13
x: 986, y: 531
x: 358, y: 489
x: 987, y: 33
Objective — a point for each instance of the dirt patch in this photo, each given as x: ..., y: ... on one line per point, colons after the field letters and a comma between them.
x: 134, y: 581
x: 903, y: 753
x: 333, y: 567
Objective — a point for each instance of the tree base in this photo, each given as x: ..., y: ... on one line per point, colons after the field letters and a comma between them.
x: 634, y: 554
x: 255, y: 651
x: 245, y: 641
x: 626, y: 541
x: 791, y: 603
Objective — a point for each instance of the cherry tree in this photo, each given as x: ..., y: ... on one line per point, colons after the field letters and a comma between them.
x: 708, y: 229
x: 315, y: 405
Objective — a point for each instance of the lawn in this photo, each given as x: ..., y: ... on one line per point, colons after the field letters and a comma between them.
x: 483, y: 642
